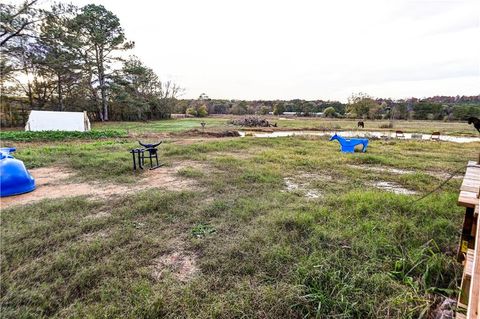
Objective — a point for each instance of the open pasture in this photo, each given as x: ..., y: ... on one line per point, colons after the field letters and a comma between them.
x: 234, y: 227
x: 295, y: 123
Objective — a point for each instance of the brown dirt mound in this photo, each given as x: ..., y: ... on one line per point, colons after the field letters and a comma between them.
x: 196, y: 132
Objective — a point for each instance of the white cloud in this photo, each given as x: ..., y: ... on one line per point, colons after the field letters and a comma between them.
x: 254, y: 49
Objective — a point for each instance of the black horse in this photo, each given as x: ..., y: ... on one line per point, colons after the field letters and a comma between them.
x: 361, y: 124
x: 475, y: 121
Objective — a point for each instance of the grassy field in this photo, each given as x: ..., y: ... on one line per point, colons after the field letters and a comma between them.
x: 112, y: 129
x: 266, y: 228
x: 451, y: 128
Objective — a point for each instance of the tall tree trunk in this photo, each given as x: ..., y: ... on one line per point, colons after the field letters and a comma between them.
x: 60, y: 93
x: 104, y: 103
x: 101, y: 81
x: 30, y: 94
x: 93, y: 91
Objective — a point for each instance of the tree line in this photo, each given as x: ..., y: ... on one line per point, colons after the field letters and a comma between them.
x: 360, y: 106
x: 70, y: 58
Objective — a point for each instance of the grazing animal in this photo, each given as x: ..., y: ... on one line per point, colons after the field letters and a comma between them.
x: 475, y: 121
x: 348, y: 145
x: 361, y: 124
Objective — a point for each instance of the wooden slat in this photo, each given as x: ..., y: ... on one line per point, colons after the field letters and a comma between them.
x: 469, y: 263
x: 464, y: 297
x: 467, y: 239
x: 469, y: 248
x: 473, y: 164
x: 472, y: 172
x: 468, y: 199
x: 471, y: 183
x: 473, y: 309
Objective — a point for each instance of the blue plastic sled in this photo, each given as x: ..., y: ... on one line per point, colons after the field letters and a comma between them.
x: 348, y: 145
x: 14, y: 177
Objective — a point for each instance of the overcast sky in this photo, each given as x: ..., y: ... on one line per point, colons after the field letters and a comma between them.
x: 271, y: 49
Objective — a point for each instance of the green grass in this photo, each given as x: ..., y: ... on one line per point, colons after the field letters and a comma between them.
x: 32, y: 136
x: 259, y: 250
x: 173, y: 125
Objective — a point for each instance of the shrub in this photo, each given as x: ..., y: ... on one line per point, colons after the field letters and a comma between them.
x: 202, y: 111
x: 329, y: 112
x: 192, y: 111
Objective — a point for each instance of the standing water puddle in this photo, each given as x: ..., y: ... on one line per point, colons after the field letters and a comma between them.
x: 379, y: 135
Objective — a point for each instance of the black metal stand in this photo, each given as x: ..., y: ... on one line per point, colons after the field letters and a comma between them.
x: 138, y: 155
x: 152, y: 153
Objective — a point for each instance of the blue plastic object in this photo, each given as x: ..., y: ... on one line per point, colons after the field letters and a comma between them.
x: 348, y: 145
x: 14, y: 177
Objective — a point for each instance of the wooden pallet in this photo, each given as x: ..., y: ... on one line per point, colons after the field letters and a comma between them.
x: 468, y: 305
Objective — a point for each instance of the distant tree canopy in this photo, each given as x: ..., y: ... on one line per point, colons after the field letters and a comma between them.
x: 359, y: 106
x: 427, y: 110
x: 67, y: 58
x: 362, y: 105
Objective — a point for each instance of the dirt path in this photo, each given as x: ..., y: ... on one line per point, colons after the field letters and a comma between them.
x: 54, y: 182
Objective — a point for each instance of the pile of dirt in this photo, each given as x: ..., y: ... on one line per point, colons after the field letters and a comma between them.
x: 253, y: 121
x: 227, y: 133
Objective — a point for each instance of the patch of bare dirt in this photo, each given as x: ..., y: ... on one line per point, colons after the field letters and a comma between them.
x: 393, y: 187
x: 89, y: 237
x: 444, y: 175
x: 301, y: 184
x: 100, y: 214
x: 149, y: 135
x: 181, y: 264
x: 187, y: 141
x: 238, y: 155
x: 382, y: 169
x: 314, y: 176
x: 54, y: 182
